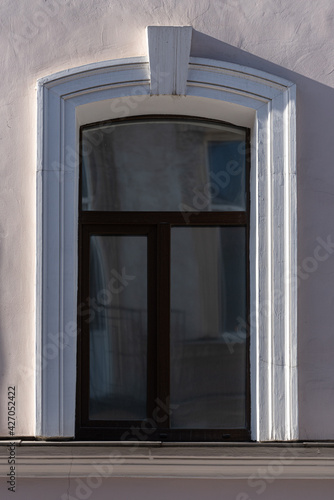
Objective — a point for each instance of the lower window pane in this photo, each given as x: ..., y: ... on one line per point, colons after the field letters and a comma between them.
x: 118, y: 327
x: 208, y: 347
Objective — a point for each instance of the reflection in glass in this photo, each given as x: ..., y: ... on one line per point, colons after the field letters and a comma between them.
x: 227, y: 174
x: 208, y: 355
x: 163, y: 165
x: 118, y: 327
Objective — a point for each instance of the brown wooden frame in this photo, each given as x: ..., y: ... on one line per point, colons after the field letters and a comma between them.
x: 157, y: 227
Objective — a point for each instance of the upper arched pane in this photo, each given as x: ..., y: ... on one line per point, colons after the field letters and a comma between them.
x: 163, y: 164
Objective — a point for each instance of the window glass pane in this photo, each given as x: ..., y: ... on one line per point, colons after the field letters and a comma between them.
x: 208, y: 353
x: 163, y: 165
x: 118, y: 327
x: 227, y: 174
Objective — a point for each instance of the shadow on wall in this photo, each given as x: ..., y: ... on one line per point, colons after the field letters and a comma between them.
x: 315, y: 185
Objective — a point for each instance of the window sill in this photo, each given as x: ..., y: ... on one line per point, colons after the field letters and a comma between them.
x: 45, y: 459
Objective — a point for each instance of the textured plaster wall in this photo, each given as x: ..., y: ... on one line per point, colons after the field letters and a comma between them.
x: 294, y: 40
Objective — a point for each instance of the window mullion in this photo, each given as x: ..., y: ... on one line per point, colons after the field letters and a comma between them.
x: 163, y: 324
x: 152, y: 321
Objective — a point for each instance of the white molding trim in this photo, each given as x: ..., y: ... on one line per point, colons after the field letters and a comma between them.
x: 154, y: 460
x: 215, y: 89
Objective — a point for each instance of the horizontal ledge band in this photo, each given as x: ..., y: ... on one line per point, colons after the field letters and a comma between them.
x: 156, y: 460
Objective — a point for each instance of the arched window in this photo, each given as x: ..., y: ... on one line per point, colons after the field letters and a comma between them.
x: 168, y: 82
x: 164, y: 228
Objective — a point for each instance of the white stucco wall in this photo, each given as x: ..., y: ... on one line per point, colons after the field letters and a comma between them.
x: 293, y: 40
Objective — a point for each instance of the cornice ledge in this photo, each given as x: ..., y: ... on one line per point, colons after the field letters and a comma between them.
x: 158, y: 460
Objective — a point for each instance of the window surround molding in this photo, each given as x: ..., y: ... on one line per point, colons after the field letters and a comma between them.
x: 169, y: 81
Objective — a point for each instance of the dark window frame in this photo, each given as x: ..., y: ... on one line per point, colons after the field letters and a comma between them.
x: 157, y: 226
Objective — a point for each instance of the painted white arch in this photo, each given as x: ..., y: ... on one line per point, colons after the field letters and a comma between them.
x: 194, y: 87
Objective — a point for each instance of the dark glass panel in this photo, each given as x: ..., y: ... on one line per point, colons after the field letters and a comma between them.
x: 163, y: 165
x: 118, y: 327
x: 208, y: 353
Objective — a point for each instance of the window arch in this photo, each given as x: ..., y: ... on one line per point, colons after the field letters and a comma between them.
x: 170, y: 82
